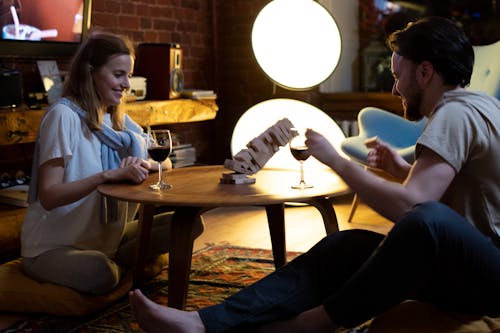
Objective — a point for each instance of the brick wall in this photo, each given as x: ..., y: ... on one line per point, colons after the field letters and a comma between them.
x: 186, y: 22
x: 216, y: 39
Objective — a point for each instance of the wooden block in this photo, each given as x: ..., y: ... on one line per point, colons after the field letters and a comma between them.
x: 259, y: 146
x: 243, y: 156
x: 285, y: 123
x: 233, y: 175
x: 289, y: 132
x: 238, y: 166
x: 274, y: 148
x: 266, y: 137
x: 238, y: 181
x: 287, y: 128
x: 279, y: 138
x: 260, y: 158
x: 260, y: 151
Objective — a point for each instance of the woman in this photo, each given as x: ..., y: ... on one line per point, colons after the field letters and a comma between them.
x: 70, y: 236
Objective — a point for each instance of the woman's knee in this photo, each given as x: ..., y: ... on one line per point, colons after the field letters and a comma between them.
x: 85, y: 271
x: 104, y: 276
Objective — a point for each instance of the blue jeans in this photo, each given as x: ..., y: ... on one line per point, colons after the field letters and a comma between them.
x: 432, y: 254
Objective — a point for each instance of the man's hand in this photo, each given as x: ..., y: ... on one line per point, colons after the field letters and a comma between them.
x: 321, y: 148
x: 384, y: 157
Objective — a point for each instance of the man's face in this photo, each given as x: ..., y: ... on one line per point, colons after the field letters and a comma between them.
x: 406, y: 86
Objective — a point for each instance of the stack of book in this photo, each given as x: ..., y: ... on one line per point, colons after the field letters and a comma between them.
x: 15, y: 195
x: 183, y: 155
x: 199, y: 94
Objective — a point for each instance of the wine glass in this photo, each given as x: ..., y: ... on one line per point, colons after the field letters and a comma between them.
x: 159, y: 144
x: 300, y: 152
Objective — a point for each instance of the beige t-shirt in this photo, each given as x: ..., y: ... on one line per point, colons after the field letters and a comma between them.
x: 465, y: 131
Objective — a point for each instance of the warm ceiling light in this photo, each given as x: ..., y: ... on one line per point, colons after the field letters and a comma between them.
x: 296, y: 43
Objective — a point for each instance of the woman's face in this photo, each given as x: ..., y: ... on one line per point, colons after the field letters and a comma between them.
x: 112, y: 79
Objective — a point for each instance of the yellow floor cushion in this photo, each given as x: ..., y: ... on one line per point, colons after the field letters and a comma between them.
x: 418, y: 317
x: 19, y: 293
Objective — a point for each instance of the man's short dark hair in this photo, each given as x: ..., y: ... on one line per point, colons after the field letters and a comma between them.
x: 439, y: 41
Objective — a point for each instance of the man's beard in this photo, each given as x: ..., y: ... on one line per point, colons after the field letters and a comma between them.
x: 412, y: 106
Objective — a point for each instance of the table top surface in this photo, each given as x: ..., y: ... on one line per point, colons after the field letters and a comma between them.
x: 200, y: 186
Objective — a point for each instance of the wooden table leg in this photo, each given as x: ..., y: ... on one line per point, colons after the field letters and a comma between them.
x: 146, y: 214
x: 325, y: 207
x: 180, y: 256
x: 276, y: 221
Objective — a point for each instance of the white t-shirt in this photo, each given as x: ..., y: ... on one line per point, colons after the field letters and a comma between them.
x: 465, y: 131
x: 79, y: 224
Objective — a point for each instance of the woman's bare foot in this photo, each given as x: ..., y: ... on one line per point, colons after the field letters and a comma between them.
x: 155, y: 318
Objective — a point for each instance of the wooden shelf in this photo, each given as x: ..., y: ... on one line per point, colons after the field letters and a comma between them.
x: 150, y: 113
x: 20, y: 125
x: 345, y: 106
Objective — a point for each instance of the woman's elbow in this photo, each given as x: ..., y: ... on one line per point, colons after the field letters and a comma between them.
x: 47, y: 201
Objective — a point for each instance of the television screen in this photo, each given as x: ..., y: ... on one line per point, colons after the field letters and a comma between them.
x: 55, y: 20
x: 42, y: 27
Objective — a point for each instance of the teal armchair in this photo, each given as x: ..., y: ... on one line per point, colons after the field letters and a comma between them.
x: 401, y: 133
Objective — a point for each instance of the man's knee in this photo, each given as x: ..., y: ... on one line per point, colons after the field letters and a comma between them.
x: 431, y: 218
x: 434, y: 210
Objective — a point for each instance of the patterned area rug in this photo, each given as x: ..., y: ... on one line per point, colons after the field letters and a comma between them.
x: 216, y: 273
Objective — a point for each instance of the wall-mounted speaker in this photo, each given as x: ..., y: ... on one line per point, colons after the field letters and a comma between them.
x: 161, y: 65
x: 11, y: 88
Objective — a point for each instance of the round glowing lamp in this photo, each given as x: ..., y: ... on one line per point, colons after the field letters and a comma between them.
x: 263, y: 115
x: 296, y: 43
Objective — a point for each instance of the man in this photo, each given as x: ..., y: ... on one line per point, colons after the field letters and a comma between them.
x: 444, y: 246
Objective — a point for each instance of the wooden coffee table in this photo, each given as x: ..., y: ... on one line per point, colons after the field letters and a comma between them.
x: 197, y: 189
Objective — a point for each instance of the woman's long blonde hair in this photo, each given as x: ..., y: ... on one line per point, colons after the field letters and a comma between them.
x: 95, y: 52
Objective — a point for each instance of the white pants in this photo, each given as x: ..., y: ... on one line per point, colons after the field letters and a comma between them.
x: 92, y: 271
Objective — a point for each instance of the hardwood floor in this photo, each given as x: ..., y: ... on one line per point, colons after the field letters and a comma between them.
x: 247, y: 227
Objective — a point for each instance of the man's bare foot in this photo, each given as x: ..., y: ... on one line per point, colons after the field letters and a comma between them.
x: 155, y: 318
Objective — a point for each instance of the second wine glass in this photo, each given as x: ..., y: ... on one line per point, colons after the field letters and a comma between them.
x: 300, y: 152
x: 159, y: 149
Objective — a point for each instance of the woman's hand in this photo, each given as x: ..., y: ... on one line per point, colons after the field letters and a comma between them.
x: 54, y: 192
x: 165, y: 165
x: 131, y: 168
x: 130, y: 160
x: 384, y: 157
x: 134, y: 173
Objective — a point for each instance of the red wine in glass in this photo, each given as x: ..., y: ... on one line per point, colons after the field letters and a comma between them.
x: 159, y: 154
x: 300, y: 152
x: 159, y: 149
